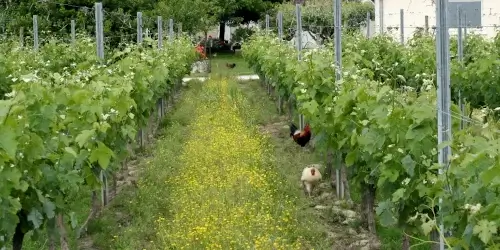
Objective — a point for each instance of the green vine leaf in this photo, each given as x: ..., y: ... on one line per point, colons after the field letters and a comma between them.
x: 49, y: 209
x: 84, y: 136
x: 102, y: 154
x: 36, y: 218
x: 409, y: 165
x: 428, y: 225
x: 398, y: 194
x: 8, y: 140
x: 485, y: 230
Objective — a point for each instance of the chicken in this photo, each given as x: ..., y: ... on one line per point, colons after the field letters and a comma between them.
x: 300, y: 137
x: 310, y: 178
x: 230, y: 65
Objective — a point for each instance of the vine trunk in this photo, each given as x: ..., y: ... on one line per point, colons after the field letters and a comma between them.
x: 368, y: 206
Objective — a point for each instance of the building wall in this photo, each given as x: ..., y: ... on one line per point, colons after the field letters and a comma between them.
x: 214, y: 32
x: 416, y: 10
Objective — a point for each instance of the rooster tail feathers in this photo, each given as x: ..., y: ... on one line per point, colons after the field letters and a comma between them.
x: 293, y: 128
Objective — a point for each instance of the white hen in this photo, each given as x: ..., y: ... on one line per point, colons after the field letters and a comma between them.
x: 310, y: 178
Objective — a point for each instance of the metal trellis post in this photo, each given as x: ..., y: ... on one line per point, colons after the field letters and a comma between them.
x: 280, y: 37
x: 368, y: 19
x: 426, y: 24
x: 73, y: 32
x: 267, y: 23
x: 402, y: 26
x: 338, y: 75
x: 139, y: 27
x: 171, y: 30
x: 159, y: 25
x: 465, y: 28
x: 460, y: 59
x: 100, y: 54
x: 443, y: 93
x: 35, y: 32
x: 298, y: 12
x: 21, y: 37
x: 268, y: 83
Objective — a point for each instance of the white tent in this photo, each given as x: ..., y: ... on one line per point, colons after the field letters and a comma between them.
x: 308, y: 40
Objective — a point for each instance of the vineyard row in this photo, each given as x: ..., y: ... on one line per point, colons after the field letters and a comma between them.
x: 381, y: 120
x: 67, y: 120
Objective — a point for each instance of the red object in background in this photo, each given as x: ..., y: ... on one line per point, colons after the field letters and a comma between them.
x: 201, y: 50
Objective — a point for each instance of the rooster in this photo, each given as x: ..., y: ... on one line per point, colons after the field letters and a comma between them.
x: 310, y: 178
x: 300, y: 137
x: 231, y: 65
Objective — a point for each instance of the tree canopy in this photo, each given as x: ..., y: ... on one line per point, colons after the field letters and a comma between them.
x: 120, y: 15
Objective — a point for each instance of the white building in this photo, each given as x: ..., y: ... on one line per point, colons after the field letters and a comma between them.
x: 483, y: 16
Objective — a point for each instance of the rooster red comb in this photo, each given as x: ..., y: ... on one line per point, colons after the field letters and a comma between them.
x: 307, y: 128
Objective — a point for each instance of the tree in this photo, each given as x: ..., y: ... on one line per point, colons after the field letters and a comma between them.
x: 240, y: 11
x: 119, y: 18
x: 317, y: 16
x: 193, y: 14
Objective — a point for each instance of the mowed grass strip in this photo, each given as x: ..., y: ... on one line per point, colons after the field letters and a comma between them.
x: 225, y: 193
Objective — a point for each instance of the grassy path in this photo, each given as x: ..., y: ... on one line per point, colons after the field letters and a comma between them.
x: 214, y: 181
x: 226, y: 195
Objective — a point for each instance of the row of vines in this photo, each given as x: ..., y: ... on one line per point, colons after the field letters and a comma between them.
x: 65, y: 117
x: 381, y: 118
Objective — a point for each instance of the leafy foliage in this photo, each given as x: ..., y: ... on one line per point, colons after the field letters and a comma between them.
x: 318, y: 17
x: 382, y: 114
x: 67, y: 119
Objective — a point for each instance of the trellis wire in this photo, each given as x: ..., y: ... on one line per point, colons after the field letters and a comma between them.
x: 444, y: 97
x: 338, y: 76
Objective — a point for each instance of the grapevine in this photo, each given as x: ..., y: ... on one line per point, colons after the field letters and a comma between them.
x: 382, y: 115
x: 63, y: 121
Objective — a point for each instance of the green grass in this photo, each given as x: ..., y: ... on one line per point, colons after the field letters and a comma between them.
x: 129, y: 220
x: 219, y: 68
x: 294, y: 160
